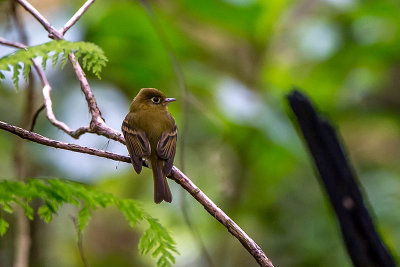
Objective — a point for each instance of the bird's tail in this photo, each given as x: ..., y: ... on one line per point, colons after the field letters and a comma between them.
x: 161, y: 188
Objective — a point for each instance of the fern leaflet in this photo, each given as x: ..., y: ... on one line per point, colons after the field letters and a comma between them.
x: 55, y: 193
x: 20, y: 62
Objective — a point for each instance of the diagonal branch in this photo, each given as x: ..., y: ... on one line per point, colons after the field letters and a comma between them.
x: 97, y: 124
x: 12, y: 44
x: 251, y: 246
x: 76, y: 16
x: 48, y: 103
x: 40, y: 139
x: 176, y: 175
x: 53, y: 33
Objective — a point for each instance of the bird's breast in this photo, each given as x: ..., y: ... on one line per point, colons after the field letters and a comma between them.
x: 154, y: 124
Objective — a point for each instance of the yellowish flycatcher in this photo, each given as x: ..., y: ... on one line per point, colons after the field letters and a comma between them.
x: 150, y: 132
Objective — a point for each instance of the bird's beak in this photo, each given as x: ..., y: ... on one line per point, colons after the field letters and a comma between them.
x: 168, y: 100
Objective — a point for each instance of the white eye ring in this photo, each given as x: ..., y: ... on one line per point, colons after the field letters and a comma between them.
x: 156, y: 100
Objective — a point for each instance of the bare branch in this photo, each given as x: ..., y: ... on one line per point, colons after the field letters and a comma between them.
x: 92, y: 104
x: 176, y: 175
x: 97, y: 124
x: 37, y: 138
x: 76, y: 16
x: 52, y: 118
x: 12, y: 44
x: 49, y: 106
x: 251, y: 246
x: 39, y: 17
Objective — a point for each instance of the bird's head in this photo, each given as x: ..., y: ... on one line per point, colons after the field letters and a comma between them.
x: 150, y: 98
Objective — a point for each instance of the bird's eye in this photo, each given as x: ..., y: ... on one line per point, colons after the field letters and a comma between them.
x: 155, y: 100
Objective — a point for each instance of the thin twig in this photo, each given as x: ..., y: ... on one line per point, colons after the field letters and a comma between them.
x: 12, y: 44
x: 35, y: 116
x: 49, y: 105
x: 176, y: 175
x: 37, y: 138
x: 49, y: 110
x: 76, y: 16
x: 39, y: 17
x: 80, y: 241
x: 87, y: 91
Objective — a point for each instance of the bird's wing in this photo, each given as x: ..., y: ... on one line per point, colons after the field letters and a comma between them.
x: 137, y: 143
x: 166, y: 148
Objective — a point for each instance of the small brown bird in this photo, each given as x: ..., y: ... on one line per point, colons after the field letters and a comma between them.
x: 150, y: 132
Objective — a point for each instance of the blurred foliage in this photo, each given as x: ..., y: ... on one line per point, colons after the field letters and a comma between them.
x: 55, y: 192
x: 239, y: 59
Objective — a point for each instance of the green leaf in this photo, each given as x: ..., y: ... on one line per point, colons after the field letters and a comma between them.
x: 44, y: 61
x: 92, y: 56
x: 15, y: 77
x: 23, y: 203
x: 26, y: 71
x: 131, y: 211
x: 157, y: 239
x: 54, y: 59
x: 64, y: 60
x: 55, y: 193
x: 6, y: 207
x: 3, y: 226
x: 28, y: 211
x: 83, y: 218
x: 45, y: 213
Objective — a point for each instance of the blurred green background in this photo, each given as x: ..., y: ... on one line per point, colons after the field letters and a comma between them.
x: 238, y: 58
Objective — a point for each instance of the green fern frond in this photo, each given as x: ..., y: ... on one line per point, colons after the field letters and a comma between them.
x: 55, y: 193
x: 158, y: 240
x: 20, y: 62
x: 3, y: 226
